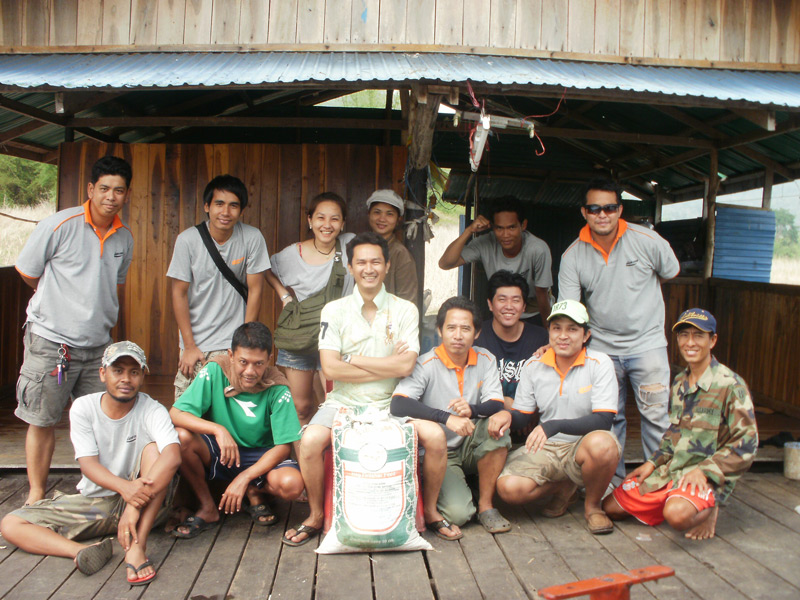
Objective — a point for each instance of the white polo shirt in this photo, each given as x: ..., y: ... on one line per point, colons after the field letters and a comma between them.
x: 621, y: 289
x: 436, y: 380
x: 589, y: 385
x: 344, y: 329
x: 76, y: 300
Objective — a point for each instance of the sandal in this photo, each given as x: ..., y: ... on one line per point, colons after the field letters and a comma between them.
x: 141, y: 580
x: 493, y: 521
x: 599, y: 523
x: 261, y: 514
x: 558, y: 505
x: 302, y: 528
x: 437, y: 526
x: 195, y: 525
x: 93, y: 558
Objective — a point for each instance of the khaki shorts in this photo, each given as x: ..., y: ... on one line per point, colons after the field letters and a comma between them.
x: 182, y: 382
x: 77, y: 517
x: 554, y: 462
x: 40, y: 399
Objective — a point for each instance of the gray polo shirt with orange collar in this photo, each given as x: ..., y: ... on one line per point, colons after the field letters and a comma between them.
x: 436, y: 380
x: 621, y: 289
x: 76, y: 300
x: 589, y: 385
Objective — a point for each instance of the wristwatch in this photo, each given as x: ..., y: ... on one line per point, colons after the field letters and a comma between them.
x: 347, y: 358
x: 285, y: 296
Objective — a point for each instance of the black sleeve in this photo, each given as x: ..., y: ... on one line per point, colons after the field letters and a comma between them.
x: 487, y: 409
x: 403, y: 406
x: 519, y: 419
x: 579, y: 426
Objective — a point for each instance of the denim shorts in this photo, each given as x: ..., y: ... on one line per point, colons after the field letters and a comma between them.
x: 301, y: 362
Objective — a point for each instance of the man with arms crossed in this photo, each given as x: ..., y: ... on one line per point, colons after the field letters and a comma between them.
x: 76, y: 260
x: 368, y: 341
x: 452, y: 385
x: 618, y: 267
x: 237, y: 422
x: 511, y: 248
x: 207, y: 307
x: 575, y: 391
x: 711, y: 440
x: 128, y: 453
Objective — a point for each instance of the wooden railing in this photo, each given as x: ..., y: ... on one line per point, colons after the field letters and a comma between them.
x: 759, y: 333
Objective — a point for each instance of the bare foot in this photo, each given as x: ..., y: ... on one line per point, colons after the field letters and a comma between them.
x: 34, y: 496
x: 704, y: 530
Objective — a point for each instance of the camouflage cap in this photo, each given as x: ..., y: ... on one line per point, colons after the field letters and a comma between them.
x: 119, y: 349
x: 572, y: 309
x: 697, y: 317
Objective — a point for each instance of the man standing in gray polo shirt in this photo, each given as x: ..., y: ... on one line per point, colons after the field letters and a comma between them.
x: 618, y: 267
x: 207, y: 307
x: 74, y: 260
x: 511, y: 248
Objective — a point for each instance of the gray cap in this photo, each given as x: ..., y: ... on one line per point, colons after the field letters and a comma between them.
x: 388, y: 197
x: 119, y: 349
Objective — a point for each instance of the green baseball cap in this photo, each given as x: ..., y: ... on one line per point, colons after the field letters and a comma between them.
x: 572, y: 309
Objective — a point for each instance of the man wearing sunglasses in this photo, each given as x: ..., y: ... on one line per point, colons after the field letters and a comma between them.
x: 618, y: 267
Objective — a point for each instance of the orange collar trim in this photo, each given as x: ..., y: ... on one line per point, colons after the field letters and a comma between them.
x: 549, y: 359
x: 115, y: 225
x: 472, y: 357
x: 586, y: 236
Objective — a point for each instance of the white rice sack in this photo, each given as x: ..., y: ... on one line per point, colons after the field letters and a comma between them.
x: 374, y: 485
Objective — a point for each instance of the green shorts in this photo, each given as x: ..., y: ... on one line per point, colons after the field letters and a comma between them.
x: 554, y: 462
x: 455, y: 498
x: 77, y: 517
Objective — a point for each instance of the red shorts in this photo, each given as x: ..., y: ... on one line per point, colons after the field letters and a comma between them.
x: 649, y: 508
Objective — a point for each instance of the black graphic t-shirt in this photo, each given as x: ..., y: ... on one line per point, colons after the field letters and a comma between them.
x: 512, y: 355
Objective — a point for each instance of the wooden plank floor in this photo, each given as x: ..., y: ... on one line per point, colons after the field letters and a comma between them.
x: 755, y: 555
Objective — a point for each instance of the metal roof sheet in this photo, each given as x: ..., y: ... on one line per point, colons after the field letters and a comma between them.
x: 208, y: 69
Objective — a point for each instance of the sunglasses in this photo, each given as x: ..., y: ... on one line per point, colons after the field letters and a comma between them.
x: 596, y: 209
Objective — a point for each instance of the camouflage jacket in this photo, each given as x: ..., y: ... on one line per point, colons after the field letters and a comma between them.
x: 712, y: 426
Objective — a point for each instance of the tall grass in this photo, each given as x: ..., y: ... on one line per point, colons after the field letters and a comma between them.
x: 785, y: 270
x: 14, y: 234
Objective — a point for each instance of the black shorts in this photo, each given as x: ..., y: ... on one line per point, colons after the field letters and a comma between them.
x: 247, y: 457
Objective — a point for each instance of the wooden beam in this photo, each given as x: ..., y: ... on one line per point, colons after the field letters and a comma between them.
x: 788, y: 126
x: 30, y: 111
x: 280, y: 122
x: 766, y: 196
x: 21, y: 153
x: 711, y: 210
x: 667, y: 162
x: 19, y: 131
x: 763, y: 118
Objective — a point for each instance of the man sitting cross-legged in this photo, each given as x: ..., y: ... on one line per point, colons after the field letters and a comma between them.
x: 575, y: 390
x: 711, y: 440
x: 368, y: 340
x: 128, y: 453
x: 237, y: 422
x: 451, y: 385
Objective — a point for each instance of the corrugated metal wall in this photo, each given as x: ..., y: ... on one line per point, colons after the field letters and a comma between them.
x: 744, y: 241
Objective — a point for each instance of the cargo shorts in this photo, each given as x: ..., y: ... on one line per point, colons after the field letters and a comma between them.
x: 182, y: 382
x: 40, y: 399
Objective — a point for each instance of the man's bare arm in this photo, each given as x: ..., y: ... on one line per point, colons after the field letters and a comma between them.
x: 255, y: 289
x: 31, y: 281
x: 452, y: 254
x: 334, y: 368
x: 180, y: 307
x: 543, y: 300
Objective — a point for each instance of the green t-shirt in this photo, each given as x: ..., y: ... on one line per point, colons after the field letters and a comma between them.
x: 259, y: 420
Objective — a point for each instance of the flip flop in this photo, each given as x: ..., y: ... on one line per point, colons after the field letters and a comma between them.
x: 93, y: 558
x: 261, y: 510
x: 195, y: 525
x: 558, y: 505
x: 141, y: 580
x: 437, y: 526
x: 493, y: 521
x: 307, y: 529
x: 599, y: 523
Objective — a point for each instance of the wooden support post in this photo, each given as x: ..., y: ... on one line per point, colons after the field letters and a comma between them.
x: 421, y: 124
x: 766, y: 197
x: 659, y: 205
x: 69, y: 134
x: 710, y: 204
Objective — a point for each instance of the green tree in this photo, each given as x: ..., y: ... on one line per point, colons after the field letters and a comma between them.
x: 787, y: 237
x: 26, y: 182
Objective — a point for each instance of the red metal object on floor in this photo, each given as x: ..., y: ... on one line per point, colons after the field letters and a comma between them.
x: 615, y: 586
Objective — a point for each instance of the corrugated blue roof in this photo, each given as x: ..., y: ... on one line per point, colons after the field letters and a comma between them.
x: 743, y: 243
x: 181, y: 69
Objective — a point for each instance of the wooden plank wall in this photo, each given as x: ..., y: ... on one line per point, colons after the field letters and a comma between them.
x: 168, y: 182
x: 757, y: 324
x: 736, y: 31
x: 14, y: 296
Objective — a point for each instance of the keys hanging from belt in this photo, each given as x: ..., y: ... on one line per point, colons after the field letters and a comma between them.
x: 62, y: 364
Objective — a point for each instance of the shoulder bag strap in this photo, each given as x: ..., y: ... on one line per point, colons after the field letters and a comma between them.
x: 205, y: 235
